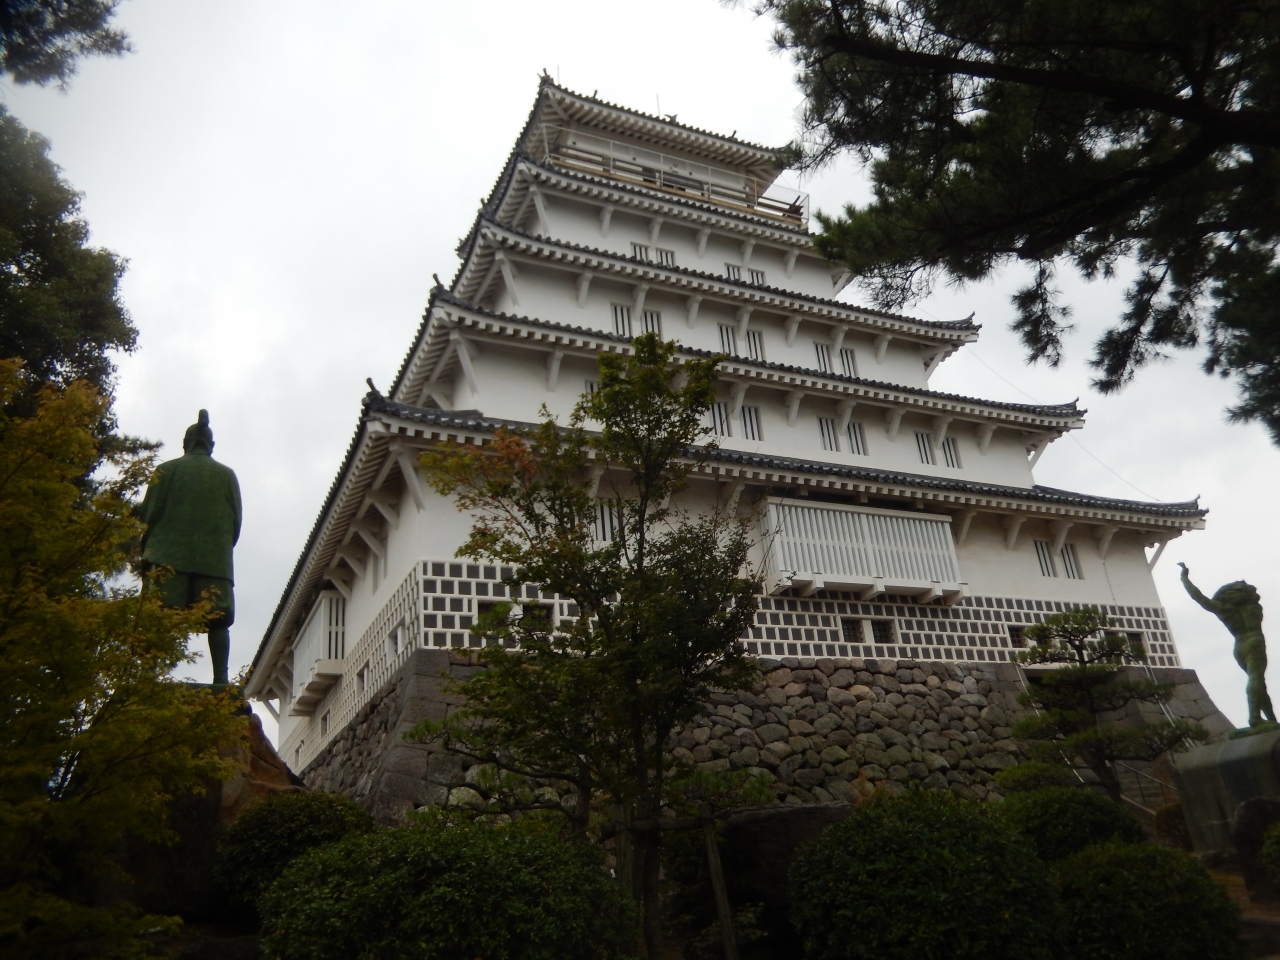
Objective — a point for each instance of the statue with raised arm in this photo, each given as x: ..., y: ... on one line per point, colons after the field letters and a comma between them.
x: 192, y: 513
x: 1239, y: 608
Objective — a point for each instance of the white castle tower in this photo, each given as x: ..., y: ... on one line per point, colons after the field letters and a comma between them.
x: 904, y: 522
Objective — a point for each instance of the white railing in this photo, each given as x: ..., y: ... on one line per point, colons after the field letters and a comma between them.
x: 319, y: 652
x: 817, y: 545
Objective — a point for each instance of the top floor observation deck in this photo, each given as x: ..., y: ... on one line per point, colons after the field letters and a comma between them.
x: 596, y: 138
x: 587, y: 151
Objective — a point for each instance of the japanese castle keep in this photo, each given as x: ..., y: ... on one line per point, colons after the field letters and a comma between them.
x: 904, y: 523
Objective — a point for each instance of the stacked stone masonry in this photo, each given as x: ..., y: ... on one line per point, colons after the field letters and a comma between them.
x: 817, y: 729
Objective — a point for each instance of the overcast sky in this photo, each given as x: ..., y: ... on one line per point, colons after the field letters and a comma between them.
x: 284, y: 177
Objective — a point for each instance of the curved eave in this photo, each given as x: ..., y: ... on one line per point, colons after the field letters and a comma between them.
x: 650, y: 202
x: 456, y: 314
x: 453, y: 426
x: 555, y: 103
x: 474, y: 275
x: 357, y: 466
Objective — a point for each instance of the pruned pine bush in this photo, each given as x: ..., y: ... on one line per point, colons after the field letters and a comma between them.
x: 923, y: 876
x: 1034, y: 775
x: 1137, y: 901
x: 434, y: 891
x: 262, y: 841
x: 1061, y: 821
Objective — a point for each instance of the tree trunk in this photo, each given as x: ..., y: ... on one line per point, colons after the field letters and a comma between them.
x: 648, y: 870
x: 718, y: 887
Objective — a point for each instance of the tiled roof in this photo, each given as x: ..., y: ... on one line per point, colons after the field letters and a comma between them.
x: 1063, y: 410
x: 475, y: 421
x: 547, y: 82
x: 961, y: 326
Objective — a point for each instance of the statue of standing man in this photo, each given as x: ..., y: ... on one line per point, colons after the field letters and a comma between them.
x: 192, y: 513
x: 1239, y: 608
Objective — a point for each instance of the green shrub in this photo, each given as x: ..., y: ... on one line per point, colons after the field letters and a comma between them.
x: 1061, y: 821
x: 430, y: 891
x: 923, y: 876
x: 1137, y: 901
x: 1269, y: 853
x: 263, y: 839
x: 1034, y: 775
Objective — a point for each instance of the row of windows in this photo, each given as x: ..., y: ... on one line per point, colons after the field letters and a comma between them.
x: 667, y: 258
x: 651, y: 322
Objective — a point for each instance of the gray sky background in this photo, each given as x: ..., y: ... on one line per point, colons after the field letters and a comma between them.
x: 285, y: 176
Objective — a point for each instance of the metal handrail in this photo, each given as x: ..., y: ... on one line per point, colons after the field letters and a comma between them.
x: 1145, y: 783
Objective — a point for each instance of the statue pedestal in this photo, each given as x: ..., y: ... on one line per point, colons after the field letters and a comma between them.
x: 1215, y: 779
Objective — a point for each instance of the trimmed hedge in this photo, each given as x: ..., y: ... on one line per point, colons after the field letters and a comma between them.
x: 429, y: 891
x: 1137, y: 901
x: 1061, y: 821
x: 267, y: 836
x: 923, y: 876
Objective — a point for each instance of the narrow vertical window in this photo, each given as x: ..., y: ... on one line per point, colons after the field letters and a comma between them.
x: 622, y: 320
x: 857, y: 439
x: 924, y: 444
x: 591, y: 386
x: 733, y: 271
x: 751, y: 424
x: 728, y: 339
x: 824, y: 356
x: 1071, y: 562
x: 640, y: 251
x: 651, y: 320
x: 848, y: 363
x: 666, y: 257
x: 827, y: 433
x: 719, y: 417
x: 1044, y: 554
x: 951, y: 453
x: 756, y: 277
x: 605, y: 522
x: 324, y: 723
x: 755, y: 345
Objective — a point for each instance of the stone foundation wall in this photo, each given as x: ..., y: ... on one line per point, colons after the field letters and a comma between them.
x: 818, y: 729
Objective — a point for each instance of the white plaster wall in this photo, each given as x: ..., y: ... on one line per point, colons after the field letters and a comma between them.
x: 513, y: 384
x: 578, y: 222
x: 992, y: 570
x: 551, y: 295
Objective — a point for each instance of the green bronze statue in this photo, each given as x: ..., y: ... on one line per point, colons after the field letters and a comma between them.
x: 1239, y: 608
x: 192, y: 513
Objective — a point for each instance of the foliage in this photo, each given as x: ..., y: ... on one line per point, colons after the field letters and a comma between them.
x: 1061, y: 821
x: 924, y: 876
x: 1171, y: 826
x: 271, y: 834
x: 41, y: 41
x: 1128, y: 901
x: 95, y: 736
x: 59, y: 297
x: 1061, y: 134
x: 1033, y: 775
x: 1269, y: 853
x: 590, y: 706
x: 439, y: 892
x: 1090, y: 680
